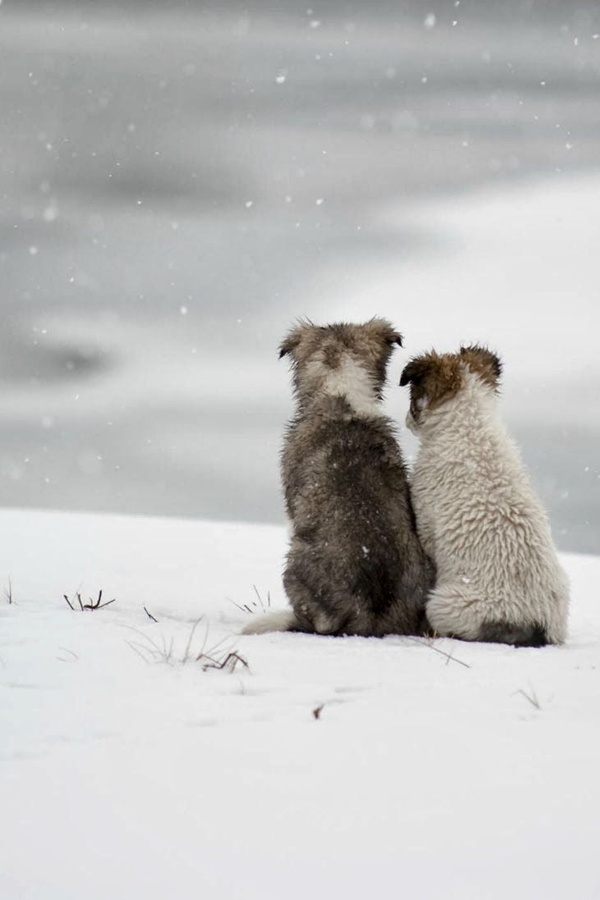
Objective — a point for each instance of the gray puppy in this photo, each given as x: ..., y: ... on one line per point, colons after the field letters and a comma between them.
x: 355, y: 564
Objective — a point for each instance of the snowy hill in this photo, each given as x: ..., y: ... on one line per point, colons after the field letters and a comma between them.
x: 305, y: 766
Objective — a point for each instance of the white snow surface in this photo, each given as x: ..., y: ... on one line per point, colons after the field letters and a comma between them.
x: 432, y: 770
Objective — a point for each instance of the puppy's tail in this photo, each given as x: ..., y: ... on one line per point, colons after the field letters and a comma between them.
x: 277, y: 620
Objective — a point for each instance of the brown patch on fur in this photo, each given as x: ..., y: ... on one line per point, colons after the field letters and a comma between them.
x: 369, y: 344
x: 434, y: 378
x: 484, y: 363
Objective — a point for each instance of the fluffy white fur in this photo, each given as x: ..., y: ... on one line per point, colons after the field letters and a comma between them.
x: 277, y: 620
x: 481, y: 522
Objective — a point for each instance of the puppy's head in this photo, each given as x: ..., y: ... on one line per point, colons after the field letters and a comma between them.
x: 340, y: 359
x: 435, y: 378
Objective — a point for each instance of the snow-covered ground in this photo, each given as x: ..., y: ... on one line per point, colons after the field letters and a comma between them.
x: 326, y: 767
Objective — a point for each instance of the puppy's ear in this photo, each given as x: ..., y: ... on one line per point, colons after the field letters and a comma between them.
x: 384, y: 331
x: 414, y: 372
x: 484, y: 363
x: 292, y: 339
x: 434, y: 377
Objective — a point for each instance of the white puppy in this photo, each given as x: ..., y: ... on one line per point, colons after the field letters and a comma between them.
x: 498, y: 575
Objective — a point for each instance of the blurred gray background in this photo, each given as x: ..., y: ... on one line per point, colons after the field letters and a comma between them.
x: 175, y: 176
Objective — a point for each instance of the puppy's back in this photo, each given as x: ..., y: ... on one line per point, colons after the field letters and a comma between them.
x: 355, y: 564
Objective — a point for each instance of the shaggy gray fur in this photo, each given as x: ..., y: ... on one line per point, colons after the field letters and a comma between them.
x: 355, y: 564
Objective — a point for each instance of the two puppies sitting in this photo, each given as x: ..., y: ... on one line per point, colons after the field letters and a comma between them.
x: 465, y: 551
